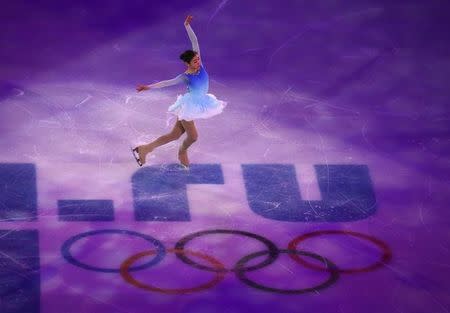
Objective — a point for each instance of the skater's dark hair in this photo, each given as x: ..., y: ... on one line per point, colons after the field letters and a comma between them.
x: 188, y: 55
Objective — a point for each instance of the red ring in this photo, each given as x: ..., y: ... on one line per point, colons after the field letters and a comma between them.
x: 124, y: 271
x: 385, y: 258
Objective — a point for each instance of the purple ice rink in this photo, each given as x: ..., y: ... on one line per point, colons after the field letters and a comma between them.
x: 322, y: 187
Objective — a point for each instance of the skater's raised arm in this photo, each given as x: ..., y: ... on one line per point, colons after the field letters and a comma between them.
x: 191, y: 34
x: 161, y: 84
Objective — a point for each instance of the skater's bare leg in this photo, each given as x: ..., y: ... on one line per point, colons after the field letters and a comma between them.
x: 192, y: 137
x: 174, y: 134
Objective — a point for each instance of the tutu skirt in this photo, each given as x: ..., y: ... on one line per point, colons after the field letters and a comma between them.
x: 191, y: 106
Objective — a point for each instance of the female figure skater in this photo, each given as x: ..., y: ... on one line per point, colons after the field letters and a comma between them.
x: 194, y: 104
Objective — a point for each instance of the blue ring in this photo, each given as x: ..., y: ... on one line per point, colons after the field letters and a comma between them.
x: 65, y: 250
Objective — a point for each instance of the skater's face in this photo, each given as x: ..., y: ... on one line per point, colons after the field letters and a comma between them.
x: 195, y: 62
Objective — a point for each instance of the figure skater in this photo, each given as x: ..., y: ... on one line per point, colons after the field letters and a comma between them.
x: 196, y: 103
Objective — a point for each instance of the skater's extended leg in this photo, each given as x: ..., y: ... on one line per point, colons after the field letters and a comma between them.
x: 174, y: 134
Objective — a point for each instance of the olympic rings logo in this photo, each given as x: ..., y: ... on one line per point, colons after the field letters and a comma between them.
x: 240, y: 269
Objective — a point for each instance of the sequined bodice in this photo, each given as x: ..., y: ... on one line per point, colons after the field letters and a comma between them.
x: 197, y: 82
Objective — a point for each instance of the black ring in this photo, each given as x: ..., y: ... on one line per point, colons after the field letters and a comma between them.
x: 331, y: 267
x: 272, y: 251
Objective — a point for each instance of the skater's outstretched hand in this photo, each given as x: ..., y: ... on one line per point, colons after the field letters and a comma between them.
x: 188, y: 20
x: 142, y: 88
